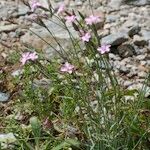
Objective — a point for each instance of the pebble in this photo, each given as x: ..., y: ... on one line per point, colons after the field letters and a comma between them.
x: 146, y: 34
x: 4, y: 97
x: 142, y: 74
x: 115, y: 39
x: 141, y: 57
x: 8, y: 28
x: 138, y: 2
x: 139, y: 41
x: 134, y: 30
x: 6, y: 139
x: 126, y: 50
x: 17, y: 72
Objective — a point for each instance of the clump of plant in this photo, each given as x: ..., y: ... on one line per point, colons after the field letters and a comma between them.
x: 84, y: 101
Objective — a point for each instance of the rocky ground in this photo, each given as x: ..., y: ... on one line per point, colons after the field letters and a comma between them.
x: 126, y: 26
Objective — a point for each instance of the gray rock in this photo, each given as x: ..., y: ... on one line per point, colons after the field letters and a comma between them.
x: 139, y: 41
x: 115, y: 4
x: 115, y: 38
x: 130, y: 23
x: 143, y: 63
x: 114, y: 57
x: 141, y: 57
x: 4, y: 97
x: 3, y: 36
x: 136, y: 86
x: 78, y: 2
x: 137, y: 2
x: 133, y: 71
x: 142, y: 74
x: 124, y: 69
x: 8, y: 28
x: 6, y: 140
x: 60, y: 34
x: 17, y: 72
x: 111, y: 18
x: 126, y: 50
x: 127, y: 83
x: 134, y: 30
x: 6, y: 10
x: 12, y: 35
x: 43, y: 83
x: 146, y: 34
x: 22, y: 10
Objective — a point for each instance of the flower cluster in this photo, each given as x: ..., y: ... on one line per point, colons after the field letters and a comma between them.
x: 70, y: 19
x: 67, y: 67
x: 61, y: 8
x: 92, y: 20
x: 28, y: 56
x: 104, y: 49
x: 85, y: 35
x: 35, y: 5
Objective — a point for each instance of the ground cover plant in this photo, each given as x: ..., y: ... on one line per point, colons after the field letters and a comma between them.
x: 82, y: 105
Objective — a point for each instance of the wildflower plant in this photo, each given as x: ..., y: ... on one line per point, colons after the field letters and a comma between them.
x: 85, y: 94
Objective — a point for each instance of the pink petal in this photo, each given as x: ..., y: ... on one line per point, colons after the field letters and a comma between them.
x: 61, y: 8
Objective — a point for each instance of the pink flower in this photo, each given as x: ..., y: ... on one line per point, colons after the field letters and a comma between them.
x: 67, y: 67
x: 32, y: 17
x: 28, y: 56
x: 92, y: 20
x: 104, y: 48
x: 86, y: 37
x: 61, y: 8
x: 34, y: 5
x: 33, y: 56
x: 24, y: 58
x: 70, y: 19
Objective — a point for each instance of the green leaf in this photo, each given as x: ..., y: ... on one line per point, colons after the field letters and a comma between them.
x: 26, y: 145
x: 67, y: 143
x: 81, y: 15
x: 36, y: 129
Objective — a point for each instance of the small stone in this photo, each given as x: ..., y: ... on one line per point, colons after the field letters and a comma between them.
x: 137, y: 2
x: 4, y: 97
x: 22, y: 10
x: 115, y: 38
x: 78, y: 2
x: 115, y: 4
x: 111, y: 18
x: 141, y: 57
x: 8, y: 28
x: 17, y: 72
x: 42, y: 83
x: 124, y: 69
x: 114, y: 57
x: 142, y: 74
x: 127, y: 83
x: 126, y: 50
x: 143, y: 63
x: 4, y: 36
x: 7, y: 138
x: 146, y: 34
x: 147, y: 93
x: 132, y: 74
x: 136, y: 86
x: 134, y: 30
x: 139, y: 41
x: 130, y: 23
x: 12, y: 35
